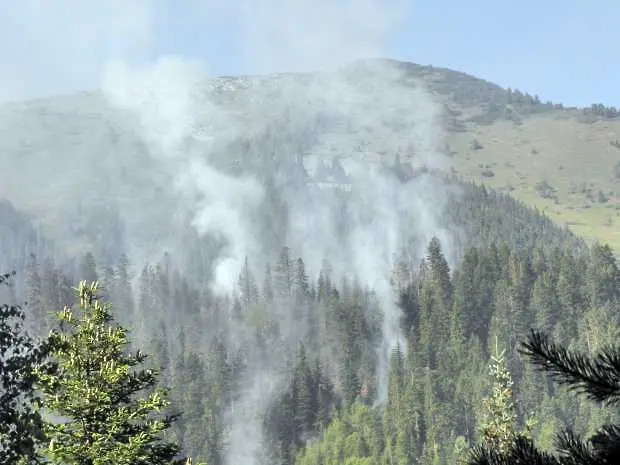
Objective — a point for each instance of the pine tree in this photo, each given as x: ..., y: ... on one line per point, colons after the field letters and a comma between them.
x: 49, y: 285
x: 544, y: 302
x: 88, y: 268
x: 247, y: 285
x: 440, y: 294
x: 499, y: 424
x: 96, y: 393
x: 597, y: 377
x: 466, y: 293
x: 303, y: 392
x: 301, y: 282
x: 603, y: 276
x: 34, y: 294
x: 268, y: 285
x: 283, y: 275
x: 108, y: 284
x: 123, y: 287
x: 195, y: 397
x: 440, y: 272
x: 349, y: 377
x: 324, y: 397
x: 569, y: 291
x: 20, y: 419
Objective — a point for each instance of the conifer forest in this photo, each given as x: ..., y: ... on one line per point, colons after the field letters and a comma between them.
x: 276, y: 314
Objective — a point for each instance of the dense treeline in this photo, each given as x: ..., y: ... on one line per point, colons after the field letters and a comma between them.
x: 434, y: 393
x: 297, y: 356
x: 594, y: 376
x: 433, y: 409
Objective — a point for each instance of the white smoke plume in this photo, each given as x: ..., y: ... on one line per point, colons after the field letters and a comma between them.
x: 117, y: 43
x: 386, y: 214
x: 166, y: 98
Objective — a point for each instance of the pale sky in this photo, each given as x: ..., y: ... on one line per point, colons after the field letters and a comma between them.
x: 565, y: 51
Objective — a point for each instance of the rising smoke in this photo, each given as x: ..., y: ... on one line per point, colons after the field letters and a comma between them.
x: 170, y: 103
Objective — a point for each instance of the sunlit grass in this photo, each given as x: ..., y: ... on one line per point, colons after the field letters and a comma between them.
x: 576, y: 159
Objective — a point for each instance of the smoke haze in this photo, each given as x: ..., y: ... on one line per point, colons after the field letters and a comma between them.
x: 185, y: 118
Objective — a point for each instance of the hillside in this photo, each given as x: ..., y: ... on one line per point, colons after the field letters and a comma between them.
x: 561, y: 161
x: 304, y: 257
x: 566, y: 168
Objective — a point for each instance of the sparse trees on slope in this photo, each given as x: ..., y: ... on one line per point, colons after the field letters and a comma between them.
x: 109, y: 413
x: 20, y: 421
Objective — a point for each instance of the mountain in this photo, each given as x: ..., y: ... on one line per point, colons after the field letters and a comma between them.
x: 307, y: 258
x: 563, y: 161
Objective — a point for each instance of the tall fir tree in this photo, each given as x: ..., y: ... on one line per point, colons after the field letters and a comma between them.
x: 107, y: 411
x: 499, y: 421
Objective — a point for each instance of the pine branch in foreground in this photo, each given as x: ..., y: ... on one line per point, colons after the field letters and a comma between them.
x: 522, y: 452
x: 606, y: 444
x: 598, y: 377
x: 573, y: 451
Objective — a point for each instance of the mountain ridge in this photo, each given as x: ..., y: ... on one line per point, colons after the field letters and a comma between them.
x: 562, y: 161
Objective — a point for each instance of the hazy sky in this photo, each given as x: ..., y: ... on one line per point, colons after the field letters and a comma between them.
x: 561, y: 50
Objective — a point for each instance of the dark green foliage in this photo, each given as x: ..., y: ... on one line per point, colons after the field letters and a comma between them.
x: 598, y: 377
x: 523, y: 452
x: 510, y: 268
x: 302, y: 411
x: 20, y: 420
x: 247, y: 285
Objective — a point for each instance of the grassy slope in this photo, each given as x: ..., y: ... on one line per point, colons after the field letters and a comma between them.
x: 556, y: 147
x: 568, y: 149
x: 551, y: 144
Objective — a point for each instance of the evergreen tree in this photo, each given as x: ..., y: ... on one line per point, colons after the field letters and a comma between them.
x: 499, y: 424
x: 124, y: 292
x: 20, y: 419
x: 303, y: 392
x: 95, y: 393
x: 440, y: 272
x: 283, y: 275
x: 569, y: 285
x: 49, y: 285
x: 597, y: 377
x: 603, y: 276
x: 268, y: 292
x: 34, y: 294
x: 88, y: 268
x: 302, y: 287
x: 247, y: 285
